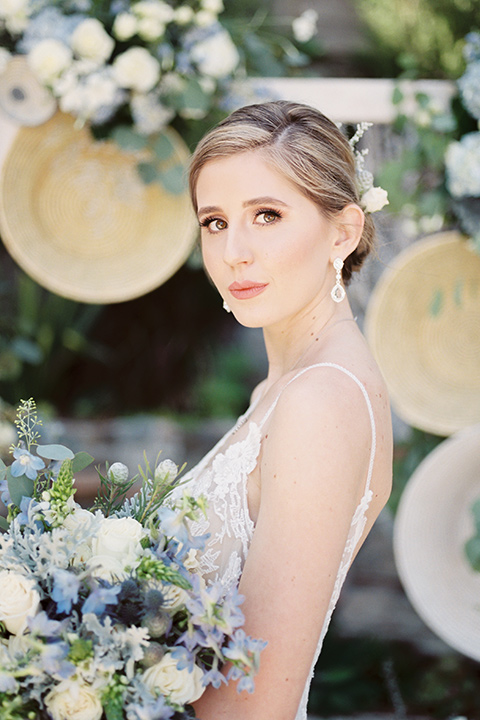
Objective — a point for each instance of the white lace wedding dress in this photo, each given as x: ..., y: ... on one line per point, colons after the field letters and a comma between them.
x: 222, y: 478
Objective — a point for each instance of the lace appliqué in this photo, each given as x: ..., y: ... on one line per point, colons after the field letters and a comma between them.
x: 224, y: 485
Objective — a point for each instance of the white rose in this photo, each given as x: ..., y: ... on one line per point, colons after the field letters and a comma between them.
x: 90, y: 40
x: 125, y: 26
x: 184, y: 15
x: 136, y: 69
x: 374, y: 199
x: 71, y: 700
x: 107, y: 568
x: 180, y: 686
x: 19, y: 600
x: 216, y: 56
x: 48, y: 59
x: 174, y: 597
x: 304, y: 26
x: 119, y: 538
x: 4, y: 60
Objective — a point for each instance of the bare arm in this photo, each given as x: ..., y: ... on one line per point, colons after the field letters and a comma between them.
x: 313, y: 471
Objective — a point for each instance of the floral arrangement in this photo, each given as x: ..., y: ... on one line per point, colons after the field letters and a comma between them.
x: 372, y: 198
x: 129, y: 69
x: 102, y: 613
x: 436, y: 181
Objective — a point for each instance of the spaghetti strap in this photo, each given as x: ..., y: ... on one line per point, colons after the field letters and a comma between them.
x: 365, y: 395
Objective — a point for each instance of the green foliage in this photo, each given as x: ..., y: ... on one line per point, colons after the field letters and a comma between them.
x: 419, y: 38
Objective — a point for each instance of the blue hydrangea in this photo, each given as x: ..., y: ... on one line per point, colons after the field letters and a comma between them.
x: 50, y: 23
x: 462, y: 162
x: 471, y: 51
x: 469, y: 85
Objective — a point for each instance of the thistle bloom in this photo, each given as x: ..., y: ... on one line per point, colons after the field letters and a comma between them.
x: 26, y: 464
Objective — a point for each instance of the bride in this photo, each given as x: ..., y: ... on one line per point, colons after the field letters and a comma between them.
x: 294, y: 488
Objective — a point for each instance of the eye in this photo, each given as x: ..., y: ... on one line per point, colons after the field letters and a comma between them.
x: 267, y: 217
x: 213, y: 224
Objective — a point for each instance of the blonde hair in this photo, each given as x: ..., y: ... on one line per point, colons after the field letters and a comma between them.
x: 302, y: 144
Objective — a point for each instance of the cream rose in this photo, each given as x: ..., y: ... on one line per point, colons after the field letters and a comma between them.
x: 217, y: 56
x: 136, y: 69
x: 48, y: 59
x: 125, y: 26
x: 90, y: 41
x: 180, y: 686
x: 374, y: 199
x: 19, y: 600
x: 71, y: 700
x: 119, y: 538
x: 107, y: 568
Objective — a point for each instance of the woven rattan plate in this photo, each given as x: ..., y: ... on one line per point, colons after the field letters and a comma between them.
x: 78, y: 219
x: 433, y: 522
x: 423, y: 325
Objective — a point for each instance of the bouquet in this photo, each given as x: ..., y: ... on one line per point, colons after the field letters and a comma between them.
x: 102, y: 613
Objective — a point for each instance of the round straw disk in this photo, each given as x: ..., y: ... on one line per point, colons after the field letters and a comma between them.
x: 22, y: 97
x: 423, y: 325
x: 76, y: 216
x: 433, y: 523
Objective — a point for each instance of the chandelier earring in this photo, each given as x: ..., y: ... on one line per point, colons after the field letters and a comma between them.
x: 226, y: 307
x: 338, y: 291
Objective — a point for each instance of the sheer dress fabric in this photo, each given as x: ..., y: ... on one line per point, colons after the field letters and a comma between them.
x: 222, y: 478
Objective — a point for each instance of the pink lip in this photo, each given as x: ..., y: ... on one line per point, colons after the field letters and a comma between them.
x: 246, y: 289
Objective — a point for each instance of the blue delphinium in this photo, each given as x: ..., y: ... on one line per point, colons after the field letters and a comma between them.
x: 26, y: 464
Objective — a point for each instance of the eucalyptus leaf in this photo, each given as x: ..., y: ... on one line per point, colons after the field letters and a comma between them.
x: 3, y: 470
x: 3, y: 523
x: 128, y: 139
x: 55, y: 452
x: 81, y: 461
x: 162, y: 147
x: 194, y: 97
x: 19, y: 487
x: 173, y: 180
x: 148, y: 173
x: 472, y: 550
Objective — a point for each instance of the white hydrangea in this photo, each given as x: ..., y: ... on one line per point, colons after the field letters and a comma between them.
x: 152, y: 17
x: 90, y: 41
x: 149, y: 113
x: 304, y: 26
x: 462, y: 161
x: 84, y: 95
x: 216, y: 56
x: 184, y: 15
x: 49, y: 59
x: 136, y: 69
x: 213, y: 6
x: 125, y: 26
x: 15, y: 13
x: 205, y: 18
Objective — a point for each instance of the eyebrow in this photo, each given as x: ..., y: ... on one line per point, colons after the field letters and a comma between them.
x: 264, y: 200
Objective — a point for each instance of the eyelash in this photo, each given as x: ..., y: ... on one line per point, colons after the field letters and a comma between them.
x: 206, y: 222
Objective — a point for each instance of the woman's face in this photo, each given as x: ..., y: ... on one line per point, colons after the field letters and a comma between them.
x: 266, y: 246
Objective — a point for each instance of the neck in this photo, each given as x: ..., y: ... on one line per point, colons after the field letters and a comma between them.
x: 294, y: 346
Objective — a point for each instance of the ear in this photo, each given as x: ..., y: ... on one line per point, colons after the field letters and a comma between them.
x: 349, y: 223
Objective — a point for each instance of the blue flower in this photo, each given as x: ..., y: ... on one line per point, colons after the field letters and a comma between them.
x: 172, y: 523
x: 99, y: 599
x: 54, y: 662
x: 30, y: 512
x: 26, y: 464
x: 65, y: 589
x: 5, y: 494
x: 43, y: 626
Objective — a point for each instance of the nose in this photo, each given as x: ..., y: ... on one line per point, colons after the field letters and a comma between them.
x: 237, y: 248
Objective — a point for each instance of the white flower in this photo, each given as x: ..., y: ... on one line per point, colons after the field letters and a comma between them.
x: 213, y: 6
x: 4, y: 59
x: 149, y: 114
x: 150, y: 29
x: 125, y: 26
x: 304, y: 26
x: 180, y: 686
x: 19, y: 600
x: 204, y: 18
x: 184, y: 15
x: 80, y: 522
x: 462, y: 161
x: 15, y: 14
x: 216, y: 56
x: 107, y: 567
x: 154, y: 10
x: 84, y: 90
x: 118, y: 473
x: 48, y: 59
x: 136, y: 69
x: 374, y: 199
x: 90, y: 41
x: 73, y: 700
x: 119, y: 538
x: 191, y: 561
x: 174, y: 596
